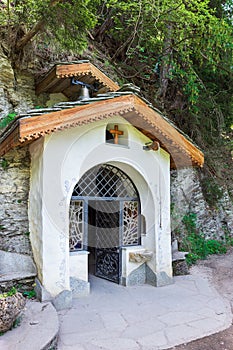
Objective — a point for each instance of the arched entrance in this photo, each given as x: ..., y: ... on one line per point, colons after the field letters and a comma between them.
x: 104, y: 217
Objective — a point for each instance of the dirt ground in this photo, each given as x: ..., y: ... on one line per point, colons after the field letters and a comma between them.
x: 219, y: 269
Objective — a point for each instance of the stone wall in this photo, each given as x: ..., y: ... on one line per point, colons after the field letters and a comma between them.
x: 17, y: 92
x: 187, y: 197
x: 14, y: 187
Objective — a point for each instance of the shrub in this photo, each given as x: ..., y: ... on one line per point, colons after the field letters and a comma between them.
x: 196, y: 244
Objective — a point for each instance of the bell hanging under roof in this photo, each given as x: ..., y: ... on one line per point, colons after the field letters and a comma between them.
x: 85, y: 94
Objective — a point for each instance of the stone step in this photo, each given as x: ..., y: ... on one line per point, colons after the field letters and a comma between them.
x: 16, y: 269
x: 38, y: 329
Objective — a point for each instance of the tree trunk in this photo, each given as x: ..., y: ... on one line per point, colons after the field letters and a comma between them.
x: 39, y: 26
x: 28, y: 36
x: 165, y: 67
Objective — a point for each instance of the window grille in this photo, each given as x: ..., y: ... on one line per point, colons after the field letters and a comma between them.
x: 105, y: 181
x: 131, y: 234
x: 76, y: 225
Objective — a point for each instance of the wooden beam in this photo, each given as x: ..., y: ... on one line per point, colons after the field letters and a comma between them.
x: 10, y: 142
x: 152, y: 121
x: 34, y: 127
x: 46, y: 82
x: 70, y: 70
x: 83, y: 71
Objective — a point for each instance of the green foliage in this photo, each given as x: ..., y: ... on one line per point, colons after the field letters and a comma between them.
x: 10, y: 293
x: 229, y: 240
x: 31, y: 294
x: 64, y: 21
x: 4, y: 163
x: 17, y: 322
x: 185, y: 48
x: 170, y: 27
x: 196, y: 244
x: 6, y: 120
x: 215, y: 247
x: 189, y: 221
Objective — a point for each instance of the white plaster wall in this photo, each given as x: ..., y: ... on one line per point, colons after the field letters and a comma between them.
x: 35, y: 204
x: 79, y: 265
x: 67, y: 156
x: 127, y: 266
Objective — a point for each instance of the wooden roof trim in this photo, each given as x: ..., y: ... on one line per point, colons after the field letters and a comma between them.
x: 33, y: 127
x: 63, y: 71
x: 11, y: 141
x: 130, y: 107
x: 168, y: 132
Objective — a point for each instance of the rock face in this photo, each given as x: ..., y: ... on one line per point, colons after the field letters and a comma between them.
x: 187, y: 197
x: 16, y: 269
x: 15, y: 266
x: 16, y: 88
x: 10, y: 308
x: 14, y: 187
x: 17, y: 94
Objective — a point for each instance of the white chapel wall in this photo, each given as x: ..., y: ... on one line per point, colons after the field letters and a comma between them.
x: 67, y: 156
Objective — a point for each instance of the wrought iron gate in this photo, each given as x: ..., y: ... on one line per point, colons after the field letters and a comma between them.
x: 108, y: 240
x: 105, y: 203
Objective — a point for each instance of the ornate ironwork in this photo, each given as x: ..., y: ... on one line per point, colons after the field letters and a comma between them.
x: 107, y: 264
x: 130, y: 222
x: 76, y: 225
x: 107, y: 240
x: 105, y: 181
x: 111, y: 210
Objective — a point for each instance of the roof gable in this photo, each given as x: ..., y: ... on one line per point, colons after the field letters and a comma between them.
x: 133, y: 109
x: 58, y: 79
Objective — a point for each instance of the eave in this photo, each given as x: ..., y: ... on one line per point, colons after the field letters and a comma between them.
x: 147, y: 120
x: 58, y: 80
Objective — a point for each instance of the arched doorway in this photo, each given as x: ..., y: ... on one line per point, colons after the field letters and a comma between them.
x: 104, y: 217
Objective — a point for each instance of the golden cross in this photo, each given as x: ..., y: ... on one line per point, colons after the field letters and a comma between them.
x: 116, y: 133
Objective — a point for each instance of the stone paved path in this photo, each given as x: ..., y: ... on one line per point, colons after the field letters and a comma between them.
x: 114, y: 317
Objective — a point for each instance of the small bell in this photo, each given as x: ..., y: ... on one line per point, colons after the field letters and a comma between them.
x: 84, y: 93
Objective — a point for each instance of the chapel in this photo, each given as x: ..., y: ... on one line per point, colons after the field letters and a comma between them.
x: 99, y: 196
